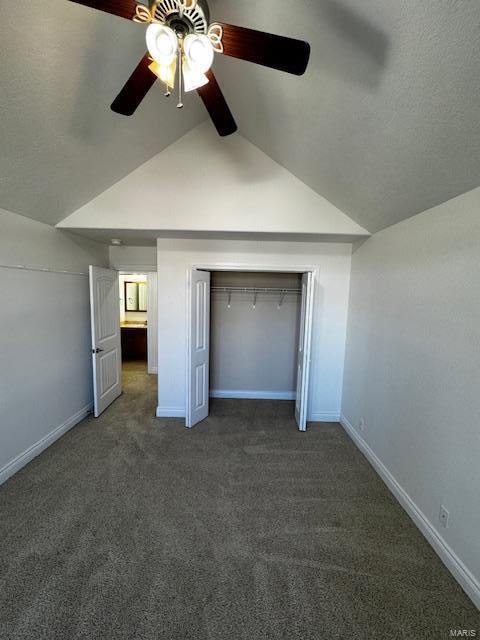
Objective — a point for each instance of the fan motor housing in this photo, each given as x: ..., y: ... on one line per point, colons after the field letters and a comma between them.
x: 190, y: 20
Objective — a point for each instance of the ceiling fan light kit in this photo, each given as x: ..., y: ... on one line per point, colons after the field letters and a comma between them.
x: 181, y: 44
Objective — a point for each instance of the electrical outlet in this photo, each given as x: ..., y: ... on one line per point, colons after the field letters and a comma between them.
x: 443, y: 516
x: 361, y: 425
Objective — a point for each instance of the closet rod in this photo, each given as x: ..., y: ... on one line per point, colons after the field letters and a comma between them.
x: 257, y: 289
x: 22, y: 267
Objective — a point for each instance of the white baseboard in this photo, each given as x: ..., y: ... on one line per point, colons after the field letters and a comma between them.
x: 324, y: 416
x: 457, y: 568
x: 32, y: 452
x: 252, y: 395
x: 170, y: 412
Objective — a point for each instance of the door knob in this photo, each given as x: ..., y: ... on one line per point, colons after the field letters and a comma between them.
x: 97, y: 350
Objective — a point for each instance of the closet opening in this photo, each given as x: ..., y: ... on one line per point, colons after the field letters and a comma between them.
x: 248, y: 337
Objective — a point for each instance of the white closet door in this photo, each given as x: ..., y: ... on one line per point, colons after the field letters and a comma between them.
x: 106, y: 349
x: 198, y: 364
x: 304, y: 351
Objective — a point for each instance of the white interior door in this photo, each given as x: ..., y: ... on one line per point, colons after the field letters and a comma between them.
x: 304, y: 351
x: 198, y: 364
x: 106, y: 349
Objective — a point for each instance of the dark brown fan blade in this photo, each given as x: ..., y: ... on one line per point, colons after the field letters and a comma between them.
x: 277, y: 52
x: 213, y: 99
x: 122, y: 8
x: 136, y: 88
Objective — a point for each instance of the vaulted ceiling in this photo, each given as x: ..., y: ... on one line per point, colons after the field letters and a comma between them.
x: 61, y: 65
x: 385, y: 123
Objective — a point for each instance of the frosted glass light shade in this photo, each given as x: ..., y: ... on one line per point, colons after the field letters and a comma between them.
x: 166, y: 73
x: 199, y: 52
x: 192, y: 79
x: 162, y: 43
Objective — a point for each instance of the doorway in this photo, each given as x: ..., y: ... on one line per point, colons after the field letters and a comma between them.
x: 248, y: 336
x: 133, y: 311
x: 123, y: 311
x: 138, y: 319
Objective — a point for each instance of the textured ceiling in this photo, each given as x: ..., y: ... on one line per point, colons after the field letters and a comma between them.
x: 61, y: 65
x: 385, y: 124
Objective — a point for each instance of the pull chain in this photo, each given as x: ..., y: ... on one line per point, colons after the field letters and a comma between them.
x: 180, y: 103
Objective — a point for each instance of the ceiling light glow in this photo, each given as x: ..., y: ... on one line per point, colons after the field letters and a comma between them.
x: 199, y: 52
x: 162, y: 43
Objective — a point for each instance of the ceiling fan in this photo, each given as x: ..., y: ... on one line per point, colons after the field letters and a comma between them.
x: 181, y: 43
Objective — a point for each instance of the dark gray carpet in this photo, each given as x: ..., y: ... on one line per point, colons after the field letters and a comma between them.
x: 130, y: 527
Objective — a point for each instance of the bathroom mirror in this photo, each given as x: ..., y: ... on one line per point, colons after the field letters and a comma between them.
x: 135, y: 296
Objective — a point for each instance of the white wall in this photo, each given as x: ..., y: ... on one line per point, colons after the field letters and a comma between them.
x: 191, y: 184
x: 413, y: 371
x: 254, y: 350
x: 331, y: 299
x: 45, y: 346
x: 134, y: 259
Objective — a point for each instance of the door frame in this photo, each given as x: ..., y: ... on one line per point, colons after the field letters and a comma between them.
x: 235, y: 266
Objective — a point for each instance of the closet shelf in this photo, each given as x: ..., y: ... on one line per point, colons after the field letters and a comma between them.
x: 281, y: 292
